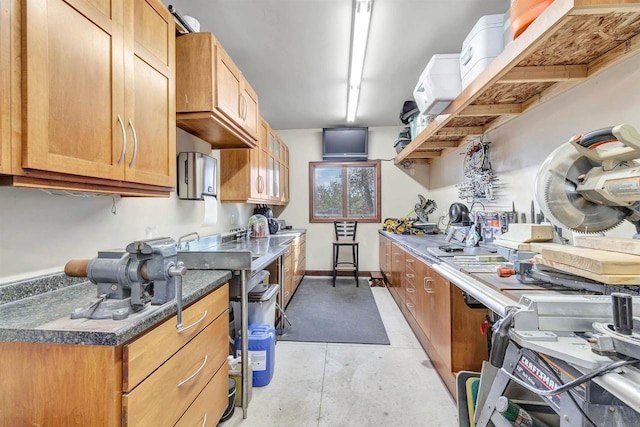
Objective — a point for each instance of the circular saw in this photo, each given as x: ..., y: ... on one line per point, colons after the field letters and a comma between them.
x: 592, y: 183
x: 424, y: 207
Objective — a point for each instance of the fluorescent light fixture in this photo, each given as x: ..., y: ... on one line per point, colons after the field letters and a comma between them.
x: 361, y: 21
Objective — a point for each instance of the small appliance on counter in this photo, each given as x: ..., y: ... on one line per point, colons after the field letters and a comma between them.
x: 266, y: 211
x: 282, y: 224
x: 196, y: 176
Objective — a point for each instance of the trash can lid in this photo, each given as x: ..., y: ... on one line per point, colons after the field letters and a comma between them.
x: 265, y: 295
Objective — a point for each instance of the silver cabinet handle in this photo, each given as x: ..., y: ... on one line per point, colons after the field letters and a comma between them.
x: 184, y: 328
x: 135, y: 144
x: 410, y: 275
x: 192, y: 376
x: 428, y: 288
x: 204, y: 422
x: 411, y: 290
x: 124, y: 141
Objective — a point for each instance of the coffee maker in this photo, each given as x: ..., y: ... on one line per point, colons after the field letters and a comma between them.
x: 265, y: 210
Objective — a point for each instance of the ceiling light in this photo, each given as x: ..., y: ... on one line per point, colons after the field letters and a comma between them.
x: 359, y: 35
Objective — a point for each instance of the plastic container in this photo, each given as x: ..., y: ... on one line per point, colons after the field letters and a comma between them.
x: 524, y: 12
x: 262, y: 351
x: 235, y: 372
x: 481, y: 46
x: 439, y: 84
x: 262, y: 306
x: 231, y: 406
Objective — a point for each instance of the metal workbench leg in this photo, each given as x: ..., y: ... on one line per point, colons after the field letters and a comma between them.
x: 282, y: 291
x: 244, y: 330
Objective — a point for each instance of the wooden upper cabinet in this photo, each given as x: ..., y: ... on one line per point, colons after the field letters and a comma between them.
x: 150, y: 96
x: 5, y: 87
x: 213, y: 99
x: 98, y: 97
x: 73, y: 88
x: 256, y: 175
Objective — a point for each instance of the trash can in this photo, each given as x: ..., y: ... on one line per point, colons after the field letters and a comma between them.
x: 262, y: 306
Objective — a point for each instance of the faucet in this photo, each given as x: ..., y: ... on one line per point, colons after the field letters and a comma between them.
x: 186, y: 244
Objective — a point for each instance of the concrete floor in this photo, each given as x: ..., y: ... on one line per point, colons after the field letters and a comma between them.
x: 335, y: 385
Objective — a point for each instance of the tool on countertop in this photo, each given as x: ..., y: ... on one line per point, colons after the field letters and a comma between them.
x: 128, y: 281
x: 590, y: 183
x: 533, y: 213
x: 512, y: 217
x: 523, y: 217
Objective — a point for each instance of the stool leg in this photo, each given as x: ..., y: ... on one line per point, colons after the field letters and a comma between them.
x: 355, y: 263
x: 335, y: 263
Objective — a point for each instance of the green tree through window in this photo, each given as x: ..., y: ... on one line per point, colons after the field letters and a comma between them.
x: 344, y: 190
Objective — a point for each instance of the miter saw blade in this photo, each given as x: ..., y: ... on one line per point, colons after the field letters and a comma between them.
x: 424, y: 207
x: 556, y: 192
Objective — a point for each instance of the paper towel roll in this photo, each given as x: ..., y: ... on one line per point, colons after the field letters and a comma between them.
x: 210, y: 211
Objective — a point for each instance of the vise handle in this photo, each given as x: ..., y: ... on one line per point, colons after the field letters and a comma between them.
x: 79, y: 267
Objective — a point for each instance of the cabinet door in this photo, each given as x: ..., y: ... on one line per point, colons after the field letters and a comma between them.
x: 73, y: 103
x: 150, y: 97
x: 424, y: 291
x: 249, y: 110
x: 5, y: 87
x: 259, y: 164
x: 228, y: 86
x: 440, y: 317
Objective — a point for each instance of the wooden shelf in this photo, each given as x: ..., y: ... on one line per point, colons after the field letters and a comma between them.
x: 571, y: 41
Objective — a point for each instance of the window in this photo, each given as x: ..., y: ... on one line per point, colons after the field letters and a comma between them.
x: 344, y: 191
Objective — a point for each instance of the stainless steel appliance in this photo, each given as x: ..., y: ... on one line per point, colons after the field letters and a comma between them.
x: 196, y: 176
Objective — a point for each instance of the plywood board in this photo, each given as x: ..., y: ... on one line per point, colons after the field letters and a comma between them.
x: 610, y: 279
x: 614, y: 244
x: 525, y: 233
x: 539, y: 246
x: 512, y: 245
x: 594, y: 260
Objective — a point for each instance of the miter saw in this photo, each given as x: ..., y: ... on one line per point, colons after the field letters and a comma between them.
x: 592, y: 183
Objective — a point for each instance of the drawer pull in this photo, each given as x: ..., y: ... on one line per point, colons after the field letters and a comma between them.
x: 183, y: 382
x: 410, y: 290
x: 410, y: 260
x: 204, y: 422
x: 410, y: 275
x: 184, y: 328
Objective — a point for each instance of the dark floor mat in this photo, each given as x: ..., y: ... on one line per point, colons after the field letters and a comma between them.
x: 345, y: 314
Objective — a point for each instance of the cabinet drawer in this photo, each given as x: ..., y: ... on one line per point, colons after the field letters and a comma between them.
x: 209, y: 406
x: 143, y: 356
x: 162, y: 398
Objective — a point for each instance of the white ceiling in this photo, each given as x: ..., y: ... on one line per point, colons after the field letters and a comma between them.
x: 295, y: 53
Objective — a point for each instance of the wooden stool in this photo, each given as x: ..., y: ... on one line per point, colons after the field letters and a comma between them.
x: 377, y: 279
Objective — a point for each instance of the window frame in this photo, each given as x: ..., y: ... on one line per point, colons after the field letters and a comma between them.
x: 376, y: 164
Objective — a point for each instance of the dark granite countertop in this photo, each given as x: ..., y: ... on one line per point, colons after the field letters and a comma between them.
x: 33, y: 319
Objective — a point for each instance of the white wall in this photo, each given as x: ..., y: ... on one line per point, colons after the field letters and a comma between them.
x: 519, y: 148
x: 39, y: 232
x: 399, y: 194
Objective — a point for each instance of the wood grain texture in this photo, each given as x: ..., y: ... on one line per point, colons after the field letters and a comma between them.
x: 512, y: 245
x: 142, y: 356
x: 210, y: 405
x: 610, y: 279
x: 213, y: 99
x: 594, y: 260
x: 469, y: 346
x: 613, y: 244
x: 526, y: 233
x: 158, y: 401
x: 5, y: 87
x: 60, y: 385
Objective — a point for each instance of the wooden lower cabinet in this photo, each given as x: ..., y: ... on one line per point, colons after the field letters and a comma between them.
x: 447, y: 328
x: 159, y: 378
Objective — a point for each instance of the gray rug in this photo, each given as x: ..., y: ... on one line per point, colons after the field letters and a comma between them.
x: 345, y: 314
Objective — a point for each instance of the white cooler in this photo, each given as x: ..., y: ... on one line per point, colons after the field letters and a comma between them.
x: 439, y: 84
x: 481, y: 46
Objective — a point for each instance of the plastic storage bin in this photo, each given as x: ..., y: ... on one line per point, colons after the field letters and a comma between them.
x: 262, y: 351
x: 262, y: 306
x: 439, y: 84
x: 524, y: 12
x: 481, y: 46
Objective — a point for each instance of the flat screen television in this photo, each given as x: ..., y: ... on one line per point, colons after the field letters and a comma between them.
x: 345, y: 144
